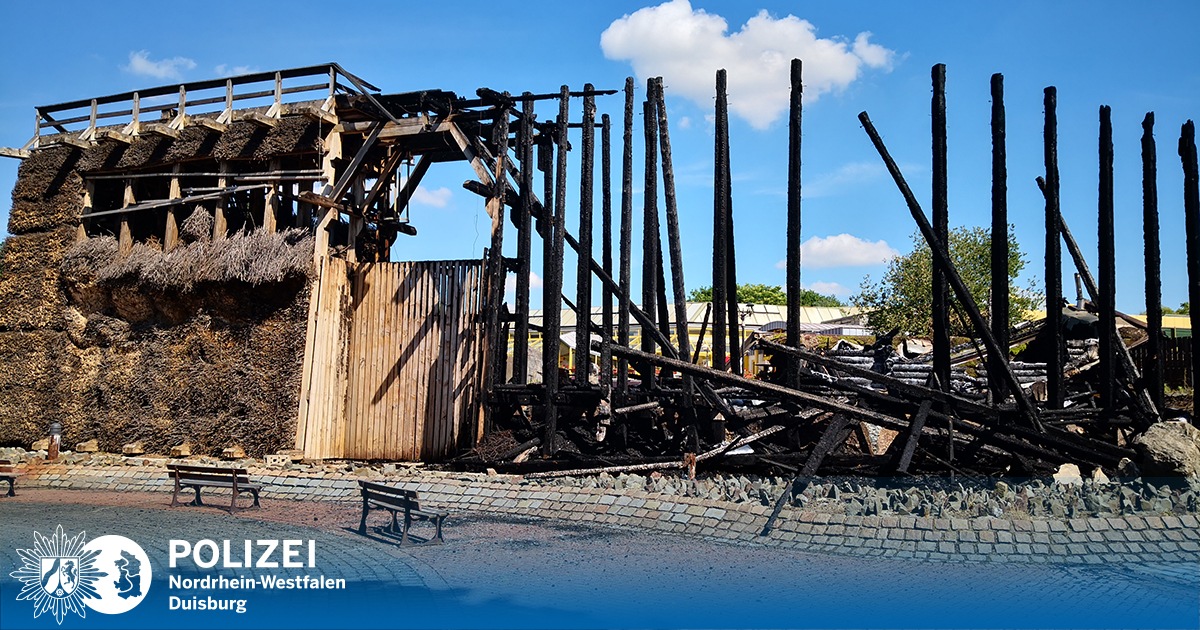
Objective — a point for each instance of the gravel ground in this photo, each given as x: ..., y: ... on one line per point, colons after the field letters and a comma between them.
x: 507, y: 572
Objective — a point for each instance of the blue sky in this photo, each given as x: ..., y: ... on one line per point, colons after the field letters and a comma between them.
x: 1133, y: 58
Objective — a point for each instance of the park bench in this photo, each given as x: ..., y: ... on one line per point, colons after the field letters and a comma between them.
x: 8, y: 472
x: 376, y: 496
x: 196, y: 477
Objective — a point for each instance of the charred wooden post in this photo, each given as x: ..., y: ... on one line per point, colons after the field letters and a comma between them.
x: 650, y: 259
x: 720, y: 219
x: 553, y: 284
x: 1054, y: 361
x: 674, y: 242
x: 733, y: 316
x: 606, y: 317
x: 1191, y: 210
x: 583, y: 277
x: 1108, y: 273
x: 941, y: 229
x: 626, y: 235
x: 793, y: 221
x: 524, y: 242
x: 1154, y: 358
x: 1129, y: 372
x: 999, y: 305
x: 941, y: 256
x: 497, y: 347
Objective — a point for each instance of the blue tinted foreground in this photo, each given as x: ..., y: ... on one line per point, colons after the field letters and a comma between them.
x: 583, y: 577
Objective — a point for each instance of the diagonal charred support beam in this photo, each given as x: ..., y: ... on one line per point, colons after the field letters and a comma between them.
x: 838, y: 430
x: 835, y: 434
x: 942, y: 257
x: 913, y: 436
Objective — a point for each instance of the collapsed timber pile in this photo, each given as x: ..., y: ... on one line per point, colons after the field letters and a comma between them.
x: 866, y: 411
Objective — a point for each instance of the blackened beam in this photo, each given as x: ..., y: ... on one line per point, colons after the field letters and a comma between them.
x: 674, y: 241
x: 960, y: 289
x: 940, y: 303
x: 1009, y: 438
x: 913, y: 436
x: 1129, y: 368
x: 835, y: 433
x: 794, y: 217
x: 165, y: 203
x: 647, y: 323
x: 717, y: 376
x: 499, y: 98
x: 1150, y: 237
x: 999, y: 240
x: 1108, y: 259
x: 893, y: 384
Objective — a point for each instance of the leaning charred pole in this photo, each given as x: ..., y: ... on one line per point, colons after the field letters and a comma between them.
x: 941, y: 230
x: 524, y: 242
x: 720, y: 219
x: 793, y: 222
x: 674, y: 242
x: 1054, y: 328
x: 1153, y: 371
x: 551, y: 308
x: 1191, y: 211
x: 626, y: 236
x: 999, y: 301
x: 650, y: 257
x: 942, y: 257
x: 606, y: 259
x: 583, y: 277
x: 1108, y: 273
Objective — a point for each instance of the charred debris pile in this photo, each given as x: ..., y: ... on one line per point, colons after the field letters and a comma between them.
x: 1074, y: 396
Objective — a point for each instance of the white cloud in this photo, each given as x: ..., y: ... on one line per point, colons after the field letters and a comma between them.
x: 437, y: 198
x: 828, y: 288
x: 686, y: 47
x: 842, y: 250
x: 510, y: 282
x: 141, y: 64
x: 225, y: 70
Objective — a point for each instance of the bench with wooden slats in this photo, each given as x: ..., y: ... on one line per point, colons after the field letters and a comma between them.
x: 196, y: 477
x: 376, y: 496
x: 8, y: 472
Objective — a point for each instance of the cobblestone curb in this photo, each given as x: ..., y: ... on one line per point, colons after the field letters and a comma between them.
x: 1126, y: 539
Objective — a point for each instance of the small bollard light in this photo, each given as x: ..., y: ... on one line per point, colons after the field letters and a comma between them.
x: 55, y: 439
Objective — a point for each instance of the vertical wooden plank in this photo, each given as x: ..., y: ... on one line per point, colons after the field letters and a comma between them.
x: 171, y: 235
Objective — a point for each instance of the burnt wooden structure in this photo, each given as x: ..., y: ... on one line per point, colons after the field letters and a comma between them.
x: 410, y: 360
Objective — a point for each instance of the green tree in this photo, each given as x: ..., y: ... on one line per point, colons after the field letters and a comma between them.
x: 903, y: 297
x: 767, y: 294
